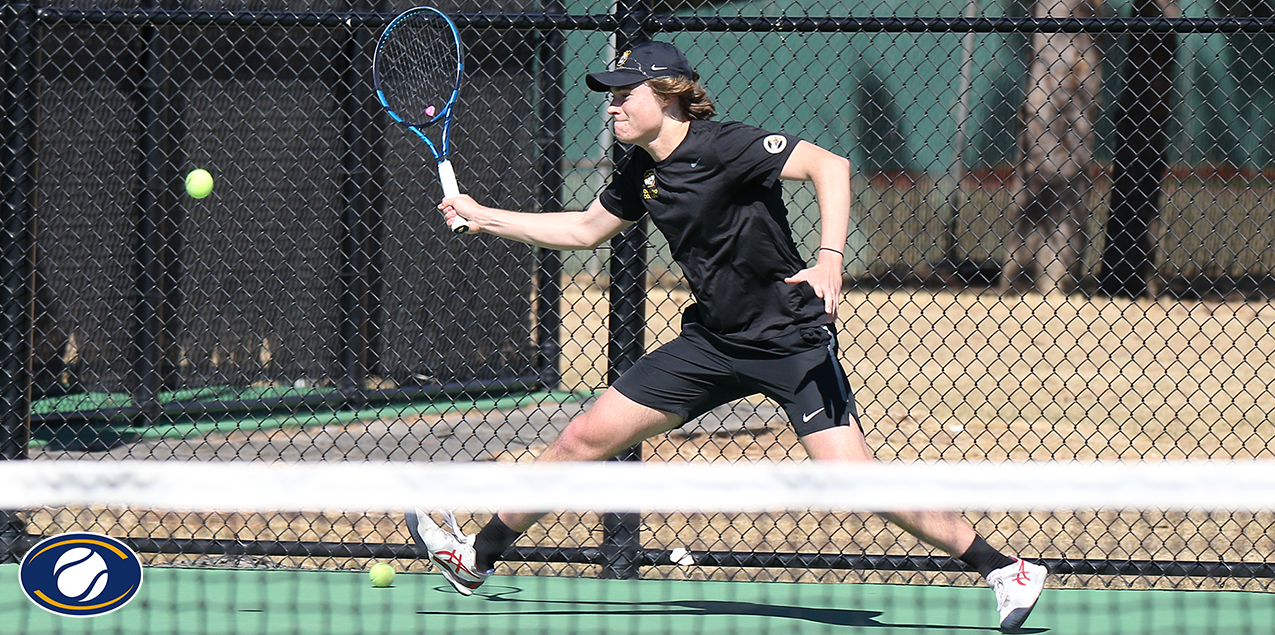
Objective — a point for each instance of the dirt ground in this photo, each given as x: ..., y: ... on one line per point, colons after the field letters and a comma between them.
x: 970, y: 376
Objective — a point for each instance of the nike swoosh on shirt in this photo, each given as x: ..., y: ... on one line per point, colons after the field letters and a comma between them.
x: 807, y: 417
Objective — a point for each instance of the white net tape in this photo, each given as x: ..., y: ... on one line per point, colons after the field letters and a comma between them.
x: 661, y: 487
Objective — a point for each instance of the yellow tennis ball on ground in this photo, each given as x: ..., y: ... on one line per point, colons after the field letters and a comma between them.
x: 199, y: 183
x: 382, y: 575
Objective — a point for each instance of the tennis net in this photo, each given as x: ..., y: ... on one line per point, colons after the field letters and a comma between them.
x: 1175, y: 547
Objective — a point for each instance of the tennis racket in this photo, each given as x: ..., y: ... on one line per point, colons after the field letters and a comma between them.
x: 416, y: 71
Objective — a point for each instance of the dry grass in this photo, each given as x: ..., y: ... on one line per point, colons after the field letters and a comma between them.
x: 948, y: 375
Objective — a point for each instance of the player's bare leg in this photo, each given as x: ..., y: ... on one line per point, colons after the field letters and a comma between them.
x: 613, y: 424
x: 945, y: 530
x: 1017, y: 583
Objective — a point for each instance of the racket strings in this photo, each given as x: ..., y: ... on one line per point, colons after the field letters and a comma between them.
x: 419, y: 66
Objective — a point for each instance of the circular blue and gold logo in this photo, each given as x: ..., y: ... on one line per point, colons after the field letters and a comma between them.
x: 80, y: 574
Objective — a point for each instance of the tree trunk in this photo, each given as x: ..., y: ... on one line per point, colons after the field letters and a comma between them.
x: 1056, y: 149
x: 1136, y: 194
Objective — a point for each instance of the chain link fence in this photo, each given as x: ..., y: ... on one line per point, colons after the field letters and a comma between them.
x: 1061, y: 249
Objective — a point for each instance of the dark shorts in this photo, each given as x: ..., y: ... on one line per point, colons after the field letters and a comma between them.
x: 693, y: 374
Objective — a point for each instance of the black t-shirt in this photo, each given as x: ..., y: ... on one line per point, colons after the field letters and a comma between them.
x: 718, y: 201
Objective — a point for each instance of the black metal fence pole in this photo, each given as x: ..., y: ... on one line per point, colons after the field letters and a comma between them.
x: 17, y: 221
x: 160, y: 108
x: 147, y: 260
x: 355, y: 215
x: 173, y: 240
x: 378, y: 288
x: 549, y: 272
x: 621, y: 540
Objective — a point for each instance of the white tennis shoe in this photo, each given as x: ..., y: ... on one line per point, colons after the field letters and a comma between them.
x: 451, y: 551
x: 1017, y: 587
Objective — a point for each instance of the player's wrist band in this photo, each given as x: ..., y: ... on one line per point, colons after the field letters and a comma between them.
x: 833, y: 251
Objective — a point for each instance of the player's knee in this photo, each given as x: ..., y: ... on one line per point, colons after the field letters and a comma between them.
x: 587, y: 439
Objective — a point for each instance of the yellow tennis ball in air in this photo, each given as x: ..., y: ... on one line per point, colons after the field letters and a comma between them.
x: 382, y: 575
x: 199, y: 183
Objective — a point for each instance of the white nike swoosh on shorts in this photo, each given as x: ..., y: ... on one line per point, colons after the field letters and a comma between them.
x: 807, y: 417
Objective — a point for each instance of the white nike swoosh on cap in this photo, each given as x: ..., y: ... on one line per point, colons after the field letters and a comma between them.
x: 659, y: 68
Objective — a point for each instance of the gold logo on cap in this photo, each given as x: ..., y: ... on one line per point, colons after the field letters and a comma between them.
x: 624, y: 57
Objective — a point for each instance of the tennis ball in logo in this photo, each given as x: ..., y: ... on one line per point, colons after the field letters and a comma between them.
x: 382, y: 575
x: 199, y: 183
x: 81, y: 574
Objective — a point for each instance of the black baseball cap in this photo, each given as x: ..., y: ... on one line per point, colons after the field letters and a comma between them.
x: 647, y: 60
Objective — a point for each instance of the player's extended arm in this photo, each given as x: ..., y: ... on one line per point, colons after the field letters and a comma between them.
x: 559, y: 230
x: 831, y: 177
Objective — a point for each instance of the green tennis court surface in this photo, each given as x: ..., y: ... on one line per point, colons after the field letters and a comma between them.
x: 265, y: 601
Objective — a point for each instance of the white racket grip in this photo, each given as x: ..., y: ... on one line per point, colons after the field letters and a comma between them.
x: 447, y: 175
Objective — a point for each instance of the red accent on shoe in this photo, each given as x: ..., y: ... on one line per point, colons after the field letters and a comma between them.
x: 454, y: 562
x: 1021, y: 576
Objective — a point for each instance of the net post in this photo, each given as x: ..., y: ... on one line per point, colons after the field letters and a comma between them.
x: 549, y: 272
x: 17, y: 269
x: 621, y: 545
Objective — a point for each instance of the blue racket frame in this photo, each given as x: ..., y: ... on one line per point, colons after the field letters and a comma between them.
x: 442, y: 151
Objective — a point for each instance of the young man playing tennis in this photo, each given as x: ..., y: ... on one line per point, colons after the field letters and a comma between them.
x: 762, y: 323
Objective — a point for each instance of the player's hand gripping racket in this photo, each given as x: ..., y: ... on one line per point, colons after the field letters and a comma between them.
x: 416, y: 71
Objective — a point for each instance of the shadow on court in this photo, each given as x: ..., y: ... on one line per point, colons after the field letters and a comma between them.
x: 498, y: 603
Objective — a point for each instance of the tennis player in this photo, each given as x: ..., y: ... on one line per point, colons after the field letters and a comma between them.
x: 762, y: 322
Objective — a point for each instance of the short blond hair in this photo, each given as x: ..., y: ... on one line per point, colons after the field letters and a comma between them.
x: 690, y: 95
